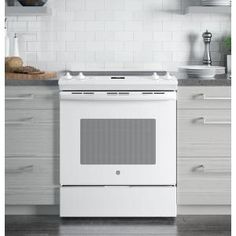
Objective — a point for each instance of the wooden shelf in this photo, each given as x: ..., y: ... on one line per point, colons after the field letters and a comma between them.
x: 27, y: 11
x: 209, y: 9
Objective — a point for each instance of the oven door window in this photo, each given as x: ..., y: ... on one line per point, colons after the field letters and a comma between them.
x: 118, y: 141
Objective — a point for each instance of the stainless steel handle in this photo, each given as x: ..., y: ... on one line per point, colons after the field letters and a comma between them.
x: 20, y: 122
x: 214, y: 122
x: 27, y: 155
x: 204, y: 97
x: 21, y: 97
x: 202, y: 169
x: 20, y: 169
x: 107, y: 97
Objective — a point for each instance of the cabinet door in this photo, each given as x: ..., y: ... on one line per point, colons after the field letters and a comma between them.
x: 204, y: 181
x: 32, y: 97
x: 200, y: 97
x: 32, y: 180
x: 204, y: 133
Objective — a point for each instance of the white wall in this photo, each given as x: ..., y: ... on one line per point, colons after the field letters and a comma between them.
x: 118, y: 34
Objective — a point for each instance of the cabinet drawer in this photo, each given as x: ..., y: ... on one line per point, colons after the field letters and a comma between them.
x: 204, y: 97
x: 32, y: 196
x: 32, y: 139
x: 32, y: 172
x: 32, y: 181
x: 204, y: 181
x: 32, y: 97
x: 30, y: 117
x: 204, y: 133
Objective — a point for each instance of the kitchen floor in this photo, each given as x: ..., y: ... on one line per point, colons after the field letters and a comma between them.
x: 182, y: 226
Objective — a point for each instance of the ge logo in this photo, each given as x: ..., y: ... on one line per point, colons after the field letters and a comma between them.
x: 118, y: 172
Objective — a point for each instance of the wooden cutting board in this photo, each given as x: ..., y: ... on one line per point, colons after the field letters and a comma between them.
x: 19, y: 76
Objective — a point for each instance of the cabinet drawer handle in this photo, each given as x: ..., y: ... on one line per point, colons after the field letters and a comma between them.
x: 204, y: 97
x: 214, y: 122
x: 24, y: 121
x: 20, y: 170
x: 22, y: 97
x: 201, y: 169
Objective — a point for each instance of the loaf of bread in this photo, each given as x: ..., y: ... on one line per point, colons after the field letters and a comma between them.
x: 27, y: 70
x: 13, y: 63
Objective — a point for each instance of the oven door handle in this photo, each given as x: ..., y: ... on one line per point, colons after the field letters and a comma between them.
x: 132, y: 96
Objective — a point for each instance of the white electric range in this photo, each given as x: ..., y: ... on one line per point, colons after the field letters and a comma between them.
x: 118, y: 145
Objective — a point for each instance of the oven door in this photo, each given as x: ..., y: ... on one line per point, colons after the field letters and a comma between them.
x: 112, y: 138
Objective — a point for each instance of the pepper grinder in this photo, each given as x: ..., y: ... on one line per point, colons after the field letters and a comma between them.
x: 207, y: 54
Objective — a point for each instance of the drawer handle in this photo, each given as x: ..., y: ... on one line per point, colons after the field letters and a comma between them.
x: 201, y: 169
x: 214, y: 122
x: 204, y: 97
x: 20, y: 170
x: 23, y: 97
x: 24, y: 121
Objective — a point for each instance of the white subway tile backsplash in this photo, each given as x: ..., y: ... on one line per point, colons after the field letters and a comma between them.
x: 133, y: 5
x: 83, y: 15
x: 104, y: 36
x: 123, y: 56
x: 103, y: 56
x: 143, y: 36
x: 152, y: 5
x: 123, y: 15
x: 46, y: 56
x: 73, y: 5
x: 124, y: 36
x: 65, y: 56
x: 95, y: 46
x: 152, y: 46
x: 45, y: 46
x: 153, y: 26
x: 114, y: 46
x: 94, y: 26
x: 17, y: 26
x: 85, y: 56
x: 163, y: 36
x: 27, y: 18
x: 95, y: 4
x: 113, y: 65
x: 75, y: 26
x: 114, y: 26
x: 45, y: 37
x: 162, y: 56
x: 83, y: 36
x: 133, y: 26
x: 133, y: 46
x: 65, y: 36
x: 28, y: 36
x: 104, y: 16
x: 170, y: 25
x: 118, y: 34
x: 75, y: 46
x: 143, y: 56
x: 114, y: 5
x: 30, y: 57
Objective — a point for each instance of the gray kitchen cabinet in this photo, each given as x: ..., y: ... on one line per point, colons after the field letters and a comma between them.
x: 204, y: 146
x: 32, y: 97
x: 32, y: 180
x: 32, y: 145
x: 204, y: 181
x: 204, y: 97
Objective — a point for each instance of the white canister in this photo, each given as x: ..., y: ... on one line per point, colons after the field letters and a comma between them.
x: 7, y: 44
x: 16, y: 47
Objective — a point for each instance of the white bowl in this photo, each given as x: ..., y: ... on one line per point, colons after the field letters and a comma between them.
x: 202, y: 71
